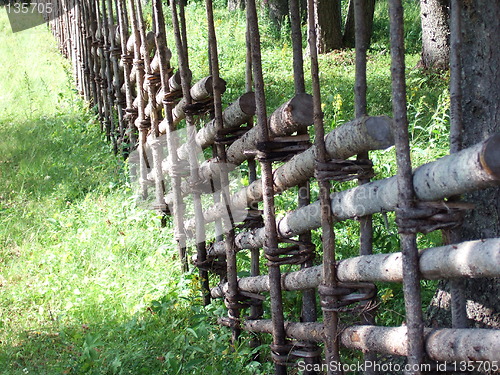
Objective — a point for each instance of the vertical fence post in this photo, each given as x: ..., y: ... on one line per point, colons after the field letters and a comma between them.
x: 141, y: 122
x: 362, y: 41
x: 271, y: 243
x: 182, y: 52
x: 127, y: 61
x: 327, y: 289
x: 406, y: 194
x: 116, y: 80
x: 308, y: 313
x: 175, y: 173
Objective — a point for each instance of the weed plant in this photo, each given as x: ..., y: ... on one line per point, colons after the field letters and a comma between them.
x: 89, y: 282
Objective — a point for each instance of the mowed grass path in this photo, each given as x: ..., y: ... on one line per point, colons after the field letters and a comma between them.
x: 80, y: 264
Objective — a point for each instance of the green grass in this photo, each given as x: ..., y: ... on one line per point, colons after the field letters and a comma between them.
x: 89, y: 282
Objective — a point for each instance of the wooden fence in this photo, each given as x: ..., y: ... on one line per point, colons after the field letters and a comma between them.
x: 125, y: 71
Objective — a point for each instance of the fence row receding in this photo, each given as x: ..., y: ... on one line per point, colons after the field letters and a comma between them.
x: 126, y: 72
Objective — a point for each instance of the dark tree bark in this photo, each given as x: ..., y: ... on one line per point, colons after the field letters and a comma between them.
x: 328, y: 21
x: 348, y: 37
x: 434, y: 15
x: 235, y: 4
x: 278, y: 10
x: 481, y: 116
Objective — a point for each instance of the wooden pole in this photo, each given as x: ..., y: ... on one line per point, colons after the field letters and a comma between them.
x: 191, y: 129
x: 406, y: 193
x: 156, y: 147
x: 256, y: 310
x: 141, y: 123
x: 117, y: 79
x: 327, y: 288
x: 89, y: 56
x: 271, y: 243
x: 127, y: 60
x: 308, y: 310
x: 177, y: 203
x: 362, y: 38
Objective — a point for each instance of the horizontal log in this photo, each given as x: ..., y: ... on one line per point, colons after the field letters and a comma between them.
x: 236, y: 114
x: 174, y: 86
x: 311, y: 331
x: 135, y: 104
x: 471, y: 259
x: 361, y: 135
x: 174, y: 82
x: 200, y: 91
x: 294, y: 115
x: 474, y: 168
x: 155, y: 62
x: 444, y: 344
x: 150, y: 41
x: 463, y: 344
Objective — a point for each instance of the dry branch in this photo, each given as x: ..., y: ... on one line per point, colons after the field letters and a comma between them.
x: 472, y: 259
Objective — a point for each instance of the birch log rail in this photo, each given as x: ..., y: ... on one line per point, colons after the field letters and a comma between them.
x: 441, y: 344
x: 470, y: 259
x: 370, y: 133
x: 236, y: 114
x: 471, y: 169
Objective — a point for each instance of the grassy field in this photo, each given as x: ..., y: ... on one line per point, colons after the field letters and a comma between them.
x: 89, y: 282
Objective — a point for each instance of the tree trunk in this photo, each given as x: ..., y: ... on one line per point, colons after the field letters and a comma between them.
x: 369, y: 10
x: 481, y: 114
x: 434, y: 15
x: 236, y: 4
x: 278, y: 10
x: 328, y: 25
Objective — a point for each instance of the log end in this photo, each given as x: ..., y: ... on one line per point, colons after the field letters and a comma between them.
x: 150, y: 41
x: 380, y: 129
x: 301, y: 109
x: 208, y: 83
x: 247, y: 103
x: 490, y: 157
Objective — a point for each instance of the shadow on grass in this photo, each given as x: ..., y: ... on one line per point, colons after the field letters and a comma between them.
x: 167, y: 340
x: 63, y: 157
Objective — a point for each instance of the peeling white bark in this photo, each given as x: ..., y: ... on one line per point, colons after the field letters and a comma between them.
x: 474, y: 168
x: 471, y: 259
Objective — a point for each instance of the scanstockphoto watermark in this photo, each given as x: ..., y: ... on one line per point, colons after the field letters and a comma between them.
x: 392, y: 367
x: 361, y: 367
x: 26, y: 14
